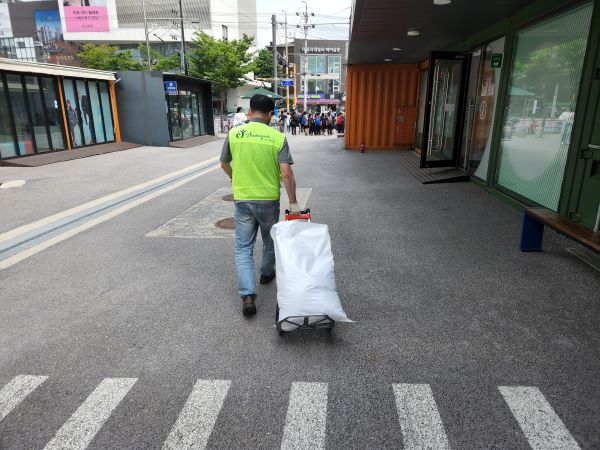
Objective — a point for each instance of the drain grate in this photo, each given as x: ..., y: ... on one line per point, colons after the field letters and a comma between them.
x: 226, y: 224
x: 227, y: 198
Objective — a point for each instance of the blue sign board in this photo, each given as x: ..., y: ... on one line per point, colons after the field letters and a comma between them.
x: 171, y: 87
x: 287, y: 82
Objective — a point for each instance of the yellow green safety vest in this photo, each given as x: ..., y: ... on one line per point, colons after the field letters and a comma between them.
x: 254, y: 150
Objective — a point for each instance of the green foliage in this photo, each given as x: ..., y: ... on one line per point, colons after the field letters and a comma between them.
x: 225, y: 63
x: 160, y: 62
x: 105, y: 57
x: 264, y: 64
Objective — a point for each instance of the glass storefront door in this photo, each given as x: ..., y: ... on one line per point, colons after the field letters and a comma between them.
x: 195, y: 118
x: 185, y: 101
x: 201, y: 116
x: 174, y: 117
x: 544, y: 84
x: 447, y: 77
x: 484, y: 111
x: 469, y: 108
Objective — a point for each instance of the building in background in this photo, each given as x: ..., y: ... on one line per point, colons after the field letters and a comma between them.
x: 121, y: 22
x: 52, y: 30
x: 323, y: 68
x: 33, y: 31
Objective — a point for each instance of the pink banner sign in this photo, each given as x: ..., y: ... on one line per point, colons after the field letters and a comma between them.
x: 86, y: 18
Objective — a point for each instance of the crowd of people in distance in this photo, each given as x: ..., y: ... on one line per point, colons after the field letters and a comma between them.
x: 294, y: 122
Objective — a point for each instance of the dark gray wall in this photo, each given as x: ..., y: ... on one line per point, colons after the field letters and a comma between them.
x: 142, y: 108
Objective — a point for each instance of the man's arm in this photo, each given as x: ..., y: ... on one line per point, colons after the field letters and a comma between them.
x: 290, y: 185
x: 226, y: 157
x: 226, y: 168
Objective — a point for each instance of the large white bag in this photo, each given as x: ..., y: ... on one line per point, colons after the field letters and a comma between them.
x: 305, y: 277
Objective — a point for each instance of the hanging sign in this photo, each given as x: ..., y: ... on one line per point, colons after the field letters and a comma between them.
x: 171, y: 87
x: 497, y: 60
x: 287, y: 82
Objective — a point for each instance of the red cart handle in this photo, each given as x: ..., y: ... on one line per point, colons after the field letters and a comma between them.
x: 304, y: 215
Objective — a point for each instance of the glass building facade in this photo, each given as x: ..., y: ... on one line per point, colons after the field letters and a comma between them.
x: 529, y: 130
x: 42, y: 113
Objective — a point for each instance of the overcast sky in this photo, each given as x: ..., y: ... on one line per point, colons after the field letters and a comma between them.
x: 326, y: 11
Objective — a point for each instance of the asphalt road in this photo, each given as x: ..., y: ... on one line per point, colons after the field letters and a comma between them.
x: 119, y: 338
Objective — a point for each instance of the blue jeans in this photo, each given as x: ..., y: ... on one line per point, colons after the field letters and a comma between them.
x: 248, y: 218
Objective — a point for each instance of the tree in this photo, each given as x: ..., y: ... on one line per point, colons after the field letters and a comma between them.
x: 105, y: 57
x: 159, y: 62
x: 264, y: 64
x: 224, y: 62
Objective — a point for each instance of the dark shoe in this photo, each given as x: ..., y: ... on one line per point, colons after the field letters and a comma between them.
x: 266, y: 279
x: 248, y: 306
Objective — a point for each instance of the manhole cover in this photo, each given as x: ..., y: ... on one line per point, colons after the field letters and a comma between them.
x: 227, y: 198
x: 226, y: 224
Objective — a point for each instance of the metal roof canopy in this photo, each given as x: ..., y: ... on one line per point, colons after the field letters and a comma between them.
x: 380, y: 25
x: 14, y: 65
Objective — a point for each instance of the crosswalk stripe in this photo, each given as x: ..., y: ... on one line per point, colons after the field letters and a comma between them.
x: 420, y: 420
x: 16, y: 390
x: 198, y: 416
x: 79, y: 430
x: 306, y: 417
x: 540, y: 424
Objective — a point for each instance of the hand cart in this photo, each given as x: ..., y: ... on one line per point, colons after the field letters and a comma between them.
x: 313, y: 322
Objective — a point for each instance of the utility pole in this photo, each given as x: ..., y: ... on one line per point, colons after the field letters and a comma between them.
x: 274, y: 26
x: 287, y: 67
x: 304, y: 67
x: 183, y: 62
x: 146, y: 33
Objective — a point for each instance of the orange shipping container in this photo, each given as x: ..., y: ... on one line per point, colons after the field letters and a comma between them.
x: 381, y: 106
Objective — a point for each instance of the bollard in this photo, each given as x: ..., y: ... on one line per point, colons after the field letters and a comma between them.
x: 362, y: 146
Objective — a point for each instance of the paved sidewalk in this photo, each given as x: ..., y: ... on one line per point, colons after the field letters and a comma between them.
x: 56, y: 187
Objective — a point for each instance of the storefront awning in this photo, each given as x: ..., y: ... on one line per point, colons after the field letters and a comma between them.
x: 54, y: 69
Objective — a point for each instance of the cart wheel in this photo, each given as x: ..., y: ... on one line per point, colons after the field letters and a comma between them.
x: 281, y: 332
x: 330, y: 330
x: 277, y: 314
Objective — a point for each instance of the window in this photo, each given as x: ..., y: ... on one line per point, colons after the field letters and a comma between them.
x: 316, y: 64
x: 541, y: 105
x: 19, y: 109
x: 96, y: 110
x: 7, y: 145
x: 86, y: 119
x: 37, y: 115
x: 316, y: 86
x: 333, y: 86
x: 73, y: 113
x: 53, y: 113
x: 333, y: 64
x: 109, y: 128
